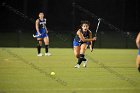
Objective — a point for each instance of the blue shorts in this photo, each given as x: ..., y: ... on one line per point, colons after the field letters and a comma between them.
x: 43, y: 33
x: 139, y: 52
x: 75, y: 43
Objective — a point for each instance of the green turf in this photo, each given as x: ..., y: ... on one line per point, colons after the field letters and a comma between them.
x: 108, y: 71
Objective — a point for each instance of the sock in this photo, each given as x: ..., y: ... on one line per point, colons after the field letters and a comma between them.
x: 84, y: 59
x: 139, y: 68
x: 80, y: 59
x: 39, y: 49
x: 46, y: 48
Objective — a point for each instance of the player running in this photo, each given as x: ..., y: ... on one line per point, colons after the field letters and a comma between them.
x: 81, y: 40
x: 138, y: 56
x: 42, y: 33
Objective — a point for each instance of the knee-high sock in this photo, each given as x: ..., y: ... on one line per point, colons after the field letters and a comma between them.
x: 139, y: 68
x: 84, y: 59
x: 46, y: 48
x: 39, y: 49
x: 81, y: 58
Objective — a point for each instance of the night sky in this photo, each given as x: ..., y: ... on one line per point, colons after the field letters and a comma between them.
x: 123, y: 14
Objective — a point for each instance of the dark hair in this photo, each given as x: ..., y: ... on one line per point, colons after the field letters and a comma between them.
x: 85, y: 22
x: 80, y: 26
x: 41, y: 12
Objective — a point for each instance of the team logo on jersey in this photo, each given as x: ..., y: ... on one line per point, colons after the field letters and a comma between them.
x: 42, y: 23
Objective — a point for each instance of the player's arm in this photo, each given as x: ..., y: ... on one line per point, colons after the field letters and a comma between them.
x: 138, y: 40
x: 83, y: 38
x: 36, y: 26
x: 46, y: 27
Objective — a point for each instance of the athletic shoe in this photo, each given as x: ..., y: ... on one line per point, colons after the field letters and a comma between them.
x: 39, y: 55
x: 47, y: 54
x: 85, y: 63
x: 77, y: 66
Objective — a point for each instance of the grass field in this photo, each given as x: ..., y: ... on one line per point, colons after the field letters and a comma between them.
x: 108, y: 71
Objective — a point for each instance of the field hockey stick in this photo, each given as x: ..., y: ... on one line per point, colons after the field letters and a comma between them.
x: 93, y: 42
x: 35, y: 36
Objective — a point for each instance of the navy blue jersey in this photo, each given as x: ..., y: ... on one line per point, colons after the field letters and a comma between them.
x: 42, y: 23
x: 85, y: 34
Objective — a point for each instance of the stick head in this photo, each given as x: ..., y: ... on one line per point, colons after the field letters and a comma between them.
x: 35, y: 36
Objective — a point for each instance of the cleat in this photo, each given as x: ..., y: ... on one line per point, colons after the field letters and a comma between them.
x: 77, y: 66
x: 85, y: 63
x: 47, y: 54
x: 39, y: 55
